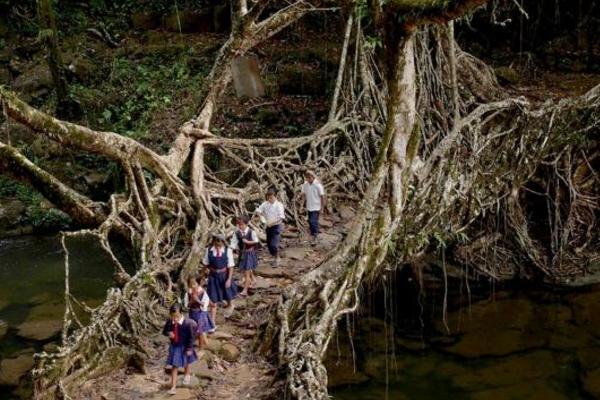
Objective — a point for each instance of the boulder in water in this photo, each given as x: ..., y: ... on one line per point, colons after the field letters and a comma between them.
x: 591, y: 382
x: 3, y: 328
x: 39, y: 330
x: 13, y: 369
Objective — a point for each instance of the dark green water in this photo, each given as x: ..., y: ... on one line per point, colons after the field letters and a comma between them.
x: 32, y: 289
x: 514, y: 345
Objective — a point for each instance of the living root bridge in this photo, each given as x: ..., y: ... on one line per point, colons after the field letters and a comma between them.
x: 408, y: 140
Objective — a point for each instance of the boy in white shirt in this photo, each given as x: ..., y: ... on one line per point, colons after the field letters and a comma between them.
x: 314, y: 194
x: 274, y: 213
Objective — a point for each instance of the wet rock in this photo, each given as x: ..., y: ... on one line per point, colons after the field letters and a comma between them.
x: 376, y: 365
x: 230, y: 352
x: 591, y: 382
x: 39, y: 330
x: 41, y: 298
x: 13, y: 369
x: 341, y: 372
x: 586, y: 308
x: 501, y: 328
x: 542, y: 390
x: 3, y: 328
x: 46, y: 311
x: 534, y: 366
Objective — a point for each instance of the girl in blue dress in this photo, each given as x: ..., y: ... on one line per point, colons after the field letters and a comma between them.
x: 245, y: 241
x: 219, y: 261
x: 182, y: 334
x: 197, y: 301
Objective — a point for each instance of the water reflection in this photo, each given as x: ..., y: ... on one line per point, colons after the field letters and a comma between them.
x: 31, y: 298
x: 514, y: 344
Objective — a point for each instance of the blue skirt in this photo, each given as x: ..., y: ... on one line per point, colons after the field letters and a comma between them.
x: 217, y: 292
x: 203, y: 320
x: 249, y: 260
x: 177, y: 357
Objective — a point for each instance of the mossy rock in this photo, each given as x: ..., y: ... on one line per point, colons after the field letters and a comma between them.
x: 230, y: 352
x: 507, y: 75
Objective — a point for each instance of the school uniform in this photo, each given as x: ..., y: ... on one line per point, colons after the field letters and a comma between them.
x: 274, y: 213
x: 248, y: 258
x: 198, y: 310
x: 313, y: 192
x: 182, y: 342
x: 218, y: 262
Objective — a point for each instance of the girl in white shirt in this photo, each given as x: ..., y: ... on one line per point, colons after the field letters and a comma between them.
x: 197, y: 302
x: 221, y: 288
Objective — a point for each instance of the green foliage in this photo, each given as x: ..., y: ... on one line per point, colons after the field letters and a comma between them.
x: 136, y: 90
x: 40, y: 217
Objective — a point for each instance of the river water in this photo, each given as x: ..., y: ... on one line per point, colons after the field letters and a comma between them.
x: 518, y: 343
x: 31, y: 296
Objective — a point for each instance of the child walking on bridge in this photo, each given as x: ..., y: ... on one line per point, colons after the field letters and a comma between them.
x: 197, y: 301
x: 314, y: 193
x: 274, y: 213
x: 182, y: 334
x: 245, y: 241
x: 221, y: 288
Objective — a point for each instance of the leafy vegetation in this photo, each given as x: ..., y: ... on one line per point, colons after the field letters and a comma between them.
x: 36, y: 214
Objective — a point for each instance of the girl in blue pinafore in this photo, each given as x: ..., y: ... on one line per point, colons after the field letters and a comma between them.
x: 197, y: 301
x: 221, y: 288
x: 245, y: 241
x: 182, y: 332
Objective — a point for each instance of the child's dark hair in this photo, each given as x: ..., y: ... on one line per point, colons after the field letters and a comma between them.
x: 175, y: 308
x: 244, y: 218
x: 272, y: 191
